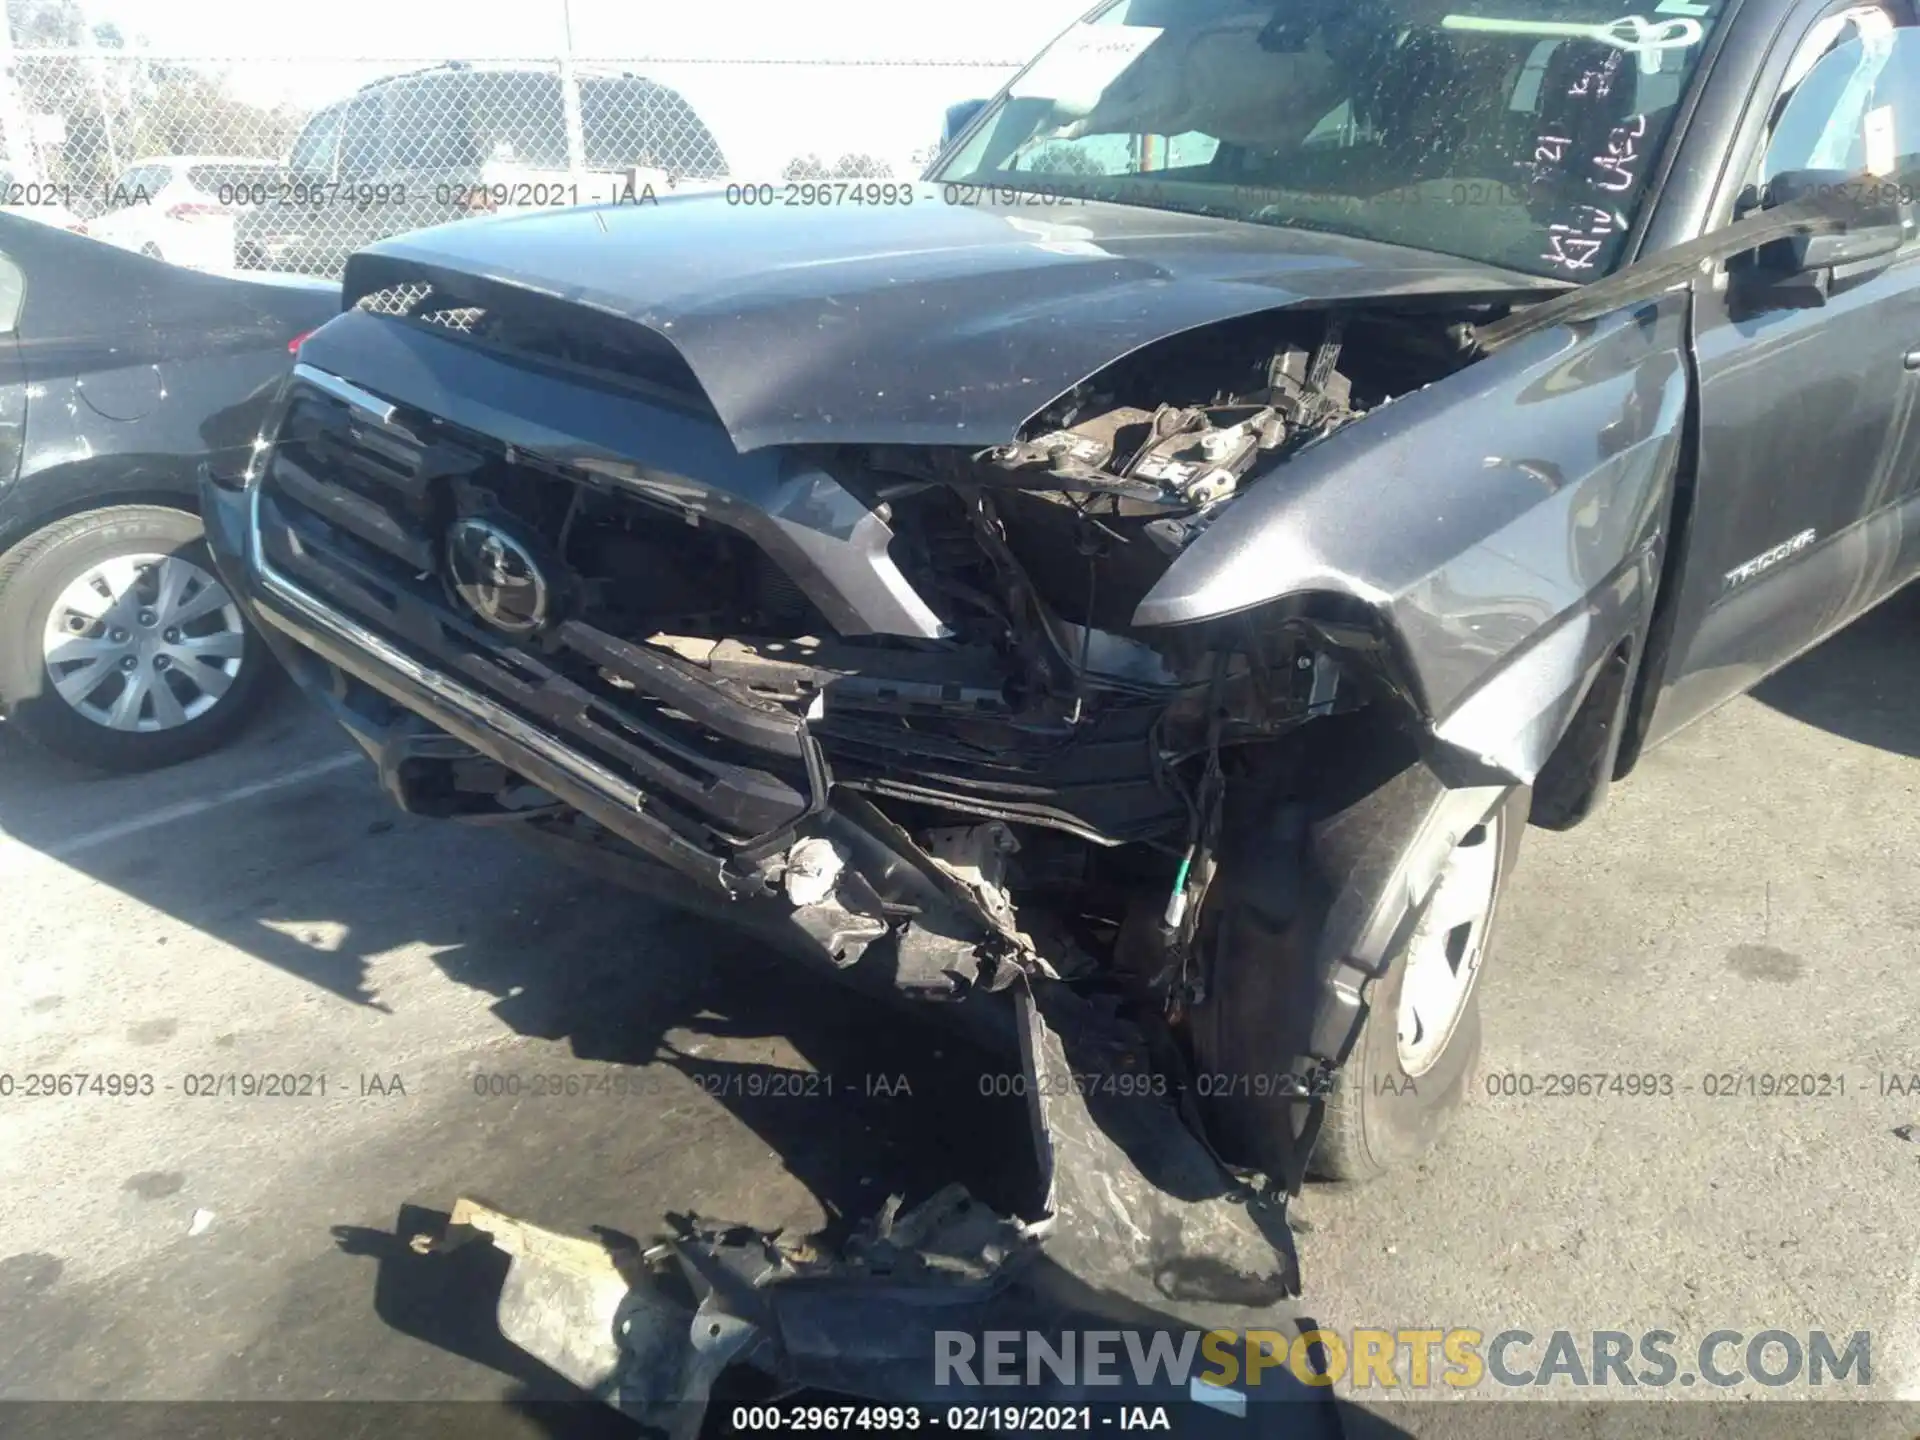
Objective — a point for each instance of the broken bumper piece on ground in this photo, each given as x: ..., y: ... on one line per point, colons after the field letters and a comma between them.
x: 1137, y: 1228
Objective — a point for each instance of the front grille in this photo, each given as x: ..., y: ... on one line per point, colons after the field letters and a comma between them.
x: 1092, y: 778
x: 353, y: 512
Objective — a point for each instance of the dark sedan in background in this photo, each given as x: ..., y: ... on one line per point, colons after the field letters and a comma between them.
x: 120, y: 377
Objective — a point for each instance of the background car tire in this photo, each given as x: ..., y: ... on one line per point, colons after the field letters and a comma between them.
x: 1380, y: 1116
x: 62, y: 561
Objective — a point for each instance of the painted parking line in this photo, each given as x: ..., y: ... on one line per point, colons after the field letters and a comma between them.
x: 18, y: 858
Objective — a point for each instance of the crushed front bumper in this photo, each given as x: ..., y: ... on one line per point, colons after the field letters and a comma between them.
x: 1136, y: 1225
x: 891, y: 917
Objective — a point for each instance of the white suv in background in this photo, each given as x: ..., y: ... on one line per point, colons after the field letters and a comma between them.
x: 182, y: 207
x: 32, y: 200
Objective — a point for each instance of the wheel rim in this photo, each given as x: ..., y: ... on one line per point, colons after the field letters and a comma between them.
x: 144, y: 643
x: 1443, y: 957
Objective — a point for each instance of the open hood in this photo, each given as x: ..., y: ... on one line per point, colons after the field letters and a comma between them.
x: 928, y: 321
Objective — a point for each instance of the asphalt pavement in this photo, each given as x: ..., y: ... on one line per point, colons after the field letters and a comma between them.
x: 1744, y: 910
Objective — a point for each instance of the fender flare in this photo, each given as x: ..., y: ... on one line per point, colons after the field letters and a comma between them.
x: 1316, y: 897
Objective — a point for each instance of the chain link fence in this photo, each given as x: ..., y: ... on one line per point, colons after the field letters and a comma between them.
x: 212, y: 163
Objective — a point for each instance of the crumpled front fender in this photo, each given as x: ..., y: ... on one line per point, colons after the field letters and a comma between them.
x: 1500, y: 529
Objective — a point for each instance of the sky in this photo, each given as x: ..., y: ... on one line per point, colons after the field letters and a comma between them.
x: 762, y: 114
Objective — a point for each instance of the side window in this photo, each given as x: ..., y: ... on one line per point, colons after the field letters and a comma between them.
x: 13, y: 288
x: 1335, y: 129
x: 313, y: 151
x: 1851, y: 102
x: 517, y: 118
x: 363, y: 138
x: 427, y: 125
x: 630, y: 121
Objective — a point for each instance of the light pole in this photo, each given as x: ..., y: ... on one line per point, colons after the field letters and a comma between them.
x: 105, y: 103
x: 570, y: 96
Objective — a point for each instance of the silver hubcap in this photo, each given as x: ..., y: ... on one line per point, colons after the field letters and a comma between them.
x: 144, y: 642
x: 1443, y: 958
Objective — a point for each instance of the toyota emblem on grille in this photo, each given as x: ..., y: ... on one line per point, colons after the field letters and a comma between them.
x: 496, y: 576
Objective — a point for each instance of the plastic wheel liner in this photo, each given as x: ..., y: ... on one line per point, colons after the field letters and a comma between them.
x: 1139, y: 1232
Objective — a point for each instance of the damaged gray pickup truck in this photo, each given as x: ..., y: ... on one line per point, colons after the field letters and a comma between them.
x: 1130, y: 591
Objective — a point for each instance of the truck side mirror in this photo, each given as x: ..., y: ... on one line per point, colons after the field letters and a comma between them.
x: 958, y: 118
x: 1802, y: 271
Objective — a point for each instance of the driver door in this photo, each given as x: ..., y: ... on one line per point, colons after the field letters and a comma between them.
x: 1809, y: 456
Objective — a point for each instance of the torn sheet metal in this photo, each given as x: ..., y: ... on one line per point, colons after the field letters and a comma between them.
x: 560, y: 1297
x: 1133, y: 1194
x: 1500, y: 580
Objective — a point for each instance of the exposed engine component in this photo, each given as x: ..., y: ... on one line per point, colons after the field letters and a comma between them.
x: 1196, y: 454
x: 1189, y: 456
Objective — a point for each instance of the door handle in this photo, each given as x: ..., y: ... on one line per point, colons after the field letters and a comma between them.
x: 1911, y: 360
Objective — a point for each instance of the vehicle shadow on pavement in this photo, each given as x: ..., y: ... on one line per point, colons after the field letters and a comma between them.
x: 911, y: 1108
x: 45, y: 800
x: 762, y: 1076
x: 844, y: 1089
x: 329, y: 884
x: 1862, y: 684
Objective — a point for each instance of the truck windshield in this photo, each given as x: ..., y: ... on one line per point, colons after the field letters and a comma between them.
x: 1522, y: 133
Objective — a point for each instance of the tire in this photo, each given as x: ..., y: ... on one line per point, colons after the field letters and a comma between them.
x: 1383, y: 1114
x: 107, y: 565
x: 1272, y: 906
x: 151, y: 251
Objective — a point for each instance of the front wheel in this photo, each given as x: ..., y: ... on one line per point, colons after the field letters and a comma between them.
x: 1414, y: 1062
x: 1386, y: 873
x: 119, y: 645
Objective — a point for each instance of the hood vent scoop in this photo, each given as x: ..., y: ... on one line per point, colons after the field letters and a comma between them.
x: 518, y: 323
